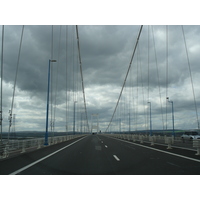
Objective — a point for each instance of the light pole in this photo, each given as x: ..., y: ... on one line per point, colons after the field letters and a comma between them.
x: 173, y: 133
x: 74, y: 118
x: 47, y: 112
x: 150, y: 120
x: 129, y: 129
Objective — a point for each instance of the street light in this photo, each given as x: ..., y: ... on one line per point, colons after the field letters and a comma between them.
x: 173, y: 133
x: 74, y: 117
x: 47, y: 112
x: 150, y: 120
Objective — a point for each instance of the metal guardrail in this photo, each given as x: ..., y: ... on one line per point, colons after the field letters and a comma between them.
x: 158, y: 139
x: 15, y: 147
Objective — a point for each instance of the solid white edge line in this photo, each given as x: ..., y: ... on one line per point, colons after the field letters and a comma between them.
x: 193, y: 159
x: 41, y: 159
x: 116, y: 157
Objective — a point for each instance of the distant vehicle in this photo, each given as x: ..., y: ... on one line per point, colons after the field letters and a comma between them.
x: 190, y: 135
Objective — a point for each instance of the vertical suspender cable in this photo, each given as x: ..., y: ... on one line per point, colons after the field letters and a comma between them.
x: 161, y: 108
x: 140, y: 67
x: 66, y: 83
x: 81, y: 75
x: 148, y: 61
x: 191, y: 77
x: 166, y: 71
x: 57, y: 80
x: 126, y: 76
x: 148, y: 77
x: 137, y: 95
x: 11, y: 110
x: 51, y: 72
x: 1, y: 111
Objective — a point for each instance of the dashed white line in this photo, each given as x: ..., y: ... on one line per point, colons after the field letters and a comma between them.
x: 101, y: 141
x: 116, y: 157
x: 106, y: 146
x: 178, y: 155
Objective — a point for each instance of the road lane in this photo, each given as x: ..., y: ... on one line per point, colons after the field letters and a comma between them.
x: 88, y: 156
x: 99, y: 154
x: 137, y: 159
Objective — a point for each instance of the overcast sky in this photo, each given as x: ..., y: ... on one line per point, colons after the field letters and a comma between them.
x: 105, y: 52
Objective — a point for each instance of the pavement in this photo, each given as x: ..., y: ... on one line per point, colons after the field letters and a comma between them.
x: 102, y: 155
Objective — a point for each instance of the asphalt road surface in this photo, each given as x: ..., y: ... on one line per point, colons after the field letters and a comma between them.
x: 102, y: 155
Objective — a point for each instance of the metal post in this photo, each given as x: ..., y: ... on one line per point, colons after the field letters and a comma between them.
x: 47, y: 111
x: 129, y: 123
x: 173, y: 133
x: 74, y: 118
x: 97, y: 123
x: 150, y: 120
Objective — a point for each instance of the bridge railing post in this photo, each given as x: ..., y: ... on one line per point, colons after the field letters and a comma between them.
x: 23, y: 146
x: 196, y: 144
x: 169, y: 141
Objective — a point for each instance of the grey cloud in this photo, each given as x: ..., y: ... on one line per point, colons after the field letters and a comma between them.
x: 105, y: 53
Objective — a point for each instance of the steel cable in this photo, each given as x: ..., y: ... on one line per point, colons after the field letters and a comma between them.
x: 13, y: 96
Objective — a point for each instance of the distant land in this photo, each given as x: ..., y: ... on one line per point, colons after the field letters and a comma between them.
x: 38, y: 134
x: 32, y: 134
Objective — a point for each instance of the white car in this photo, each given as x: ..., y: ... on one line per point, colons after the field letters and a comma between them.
x: 190, y: 135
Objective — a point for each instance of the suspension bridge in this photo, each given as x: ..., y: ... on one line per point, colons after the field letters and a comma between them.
x: 54, y: 126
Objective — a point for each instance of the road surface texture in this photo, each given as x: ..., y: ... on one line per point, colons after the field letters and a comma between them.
x: 102, y: 155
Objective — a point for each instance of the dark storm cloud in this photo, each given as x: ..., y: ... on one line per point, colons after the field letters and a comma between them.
x: 105, y: 52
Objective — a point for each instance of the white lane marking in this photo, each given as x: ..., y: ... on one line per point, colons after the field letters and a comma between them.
x: 106, y: 146
x: 173, y: 164
x: 41, y: 159
x: 116, y: 157
x: 193, y: 159
x: 101, y: 141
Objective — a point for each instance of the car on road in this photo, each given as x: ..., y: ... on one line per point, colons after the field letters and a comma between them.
x: 190, y: 135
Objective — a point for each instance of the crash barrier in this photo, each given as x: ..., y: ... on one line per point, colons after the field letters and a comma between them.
x: 21, y: 146
x: 196, y: 144
x: 155, y: 139
x: 158, y: 139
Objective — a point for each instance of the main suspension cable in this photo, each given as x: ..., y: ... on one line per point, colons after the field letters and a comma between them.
x: 13, y: 97
x: 80, y: 63
x: 191, y: 77
x: 125, y: 76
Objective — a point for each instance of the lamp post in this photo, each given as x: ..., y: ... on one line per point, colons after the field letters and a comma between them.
x: 47, y: 112
x: 173, y: 133
x: 150, y: 120
x: 74, y: 118
x: 129, y: 123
